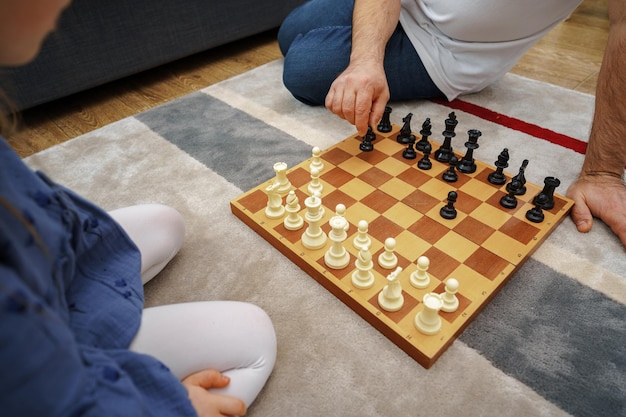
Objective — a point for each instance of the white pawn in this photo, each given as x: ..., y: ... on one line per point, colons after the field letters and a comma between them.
x: 363, y: 278
x: 293, y: 221
x: 362, y: 239
x: 317, y: 161
x: 274, y: 209
x: 280, y: 168
x: 315, y: 185
x: 340, y: 210
x: 337, y: 257
x: 391, y: 298
x: 420, y: 278
x: 388, y: 258
x: 450, y: 300
x: 428, y: 321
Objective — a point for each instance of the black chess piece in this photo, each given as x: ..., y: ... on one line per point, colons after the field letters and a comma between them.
x: 425, y: 132
x: 550, y: 184
x: 450, y: 175
x: 497, y: 177
x: 405, y: 136
x: 448, y: 211
x: 425, y: 163
x: 467, y: 165
x: 509, y: 200
x: 409, y: 152
x: 367, y: 145
x: 384, y: 125
x: 521, y: 178
x: 444, y: 153
x: 535, y: 214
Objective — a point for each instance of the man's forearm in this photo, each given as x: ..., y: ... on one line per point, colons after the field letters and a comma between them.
x: 606, y: 153
x: 373, y: 22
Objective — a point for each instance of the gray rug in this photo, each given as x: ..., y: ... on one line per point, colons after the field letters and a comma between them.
x: 551, y: 343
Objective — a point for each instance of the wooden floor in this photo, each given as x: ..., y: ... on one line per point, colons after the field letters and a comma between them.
x: 569, y: 56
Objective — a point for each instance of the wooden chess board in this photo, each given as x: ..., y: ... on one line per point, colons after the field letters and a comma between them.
x: 482, y: 247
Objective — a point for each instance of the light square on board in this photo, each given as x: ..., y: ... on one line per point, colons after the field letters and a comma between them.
x: 357, y: 188
x: 388, y: 147
x: 396, y: 188
x: 479, y: 189
x: 392, y: 166
x: 490, y: 215
x: 506, y: 247
x: 456, y: 246
x: 410, y: 246
x: 355, y: 165
x: 403, y: 215
x: 437, y: 189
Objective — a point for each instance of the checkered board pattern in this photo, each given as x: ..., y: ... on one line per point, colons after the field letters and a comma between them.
x: 482, y: 247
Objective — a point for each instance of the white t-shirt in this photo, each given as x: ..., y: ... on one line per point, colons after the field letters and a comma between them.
x: 466, y: 45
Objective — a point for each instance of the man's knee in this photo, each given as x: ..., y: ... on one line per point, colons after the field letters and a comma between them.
x: 313, y: 62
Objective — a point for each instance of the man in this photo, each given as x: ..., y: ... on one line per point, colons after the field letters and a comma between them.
x: 356, y: 55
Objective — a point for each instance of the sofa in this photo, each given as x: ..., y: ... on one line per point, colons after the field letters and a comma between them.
x: 100, y: 41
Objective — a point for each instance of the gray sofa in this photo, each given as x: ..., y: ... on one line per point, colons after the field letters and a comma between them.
x: 98, y: 41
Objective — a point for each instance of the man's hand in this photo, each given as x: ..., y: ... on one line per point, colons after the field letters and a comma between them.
x: 208, y: 404
x: 602, y: 196
x: 359, y: 95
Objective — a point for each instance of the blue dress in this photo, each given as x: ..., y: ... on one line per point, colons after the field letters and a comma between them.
x: 70, y: 303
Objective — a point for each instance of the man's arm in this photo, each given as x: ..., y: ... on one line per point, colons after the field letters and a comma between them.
x: 361, y: 93
x: 600, y: 190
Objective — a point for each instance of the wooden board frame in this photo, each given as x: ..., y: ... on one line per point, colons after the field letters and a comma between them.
x: 482, y: 248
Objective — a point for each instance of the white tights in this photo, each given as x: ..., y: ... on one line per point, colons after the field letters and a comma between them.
x: 232, y: 337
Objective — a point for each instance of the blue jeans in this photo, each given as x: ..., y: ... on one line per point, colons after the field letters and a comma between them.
x: 316, y: 40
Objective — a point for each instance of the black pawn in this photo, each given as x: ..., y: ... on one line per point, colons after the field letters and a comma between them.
x: 448, y: 211
x: 425, y: 132
x: 467, y: 164
x: 521, y: 178
x: 497, y: 177
x: 385, y: 123
x: 510, y: 201
x: 409, y: 152
x: 425, y: 162
x: 450, y: 174
x: 444, y: 153
x: 366, y: 145
x: 405, y: 136
x: 550, y: 184
x: 535, y: 214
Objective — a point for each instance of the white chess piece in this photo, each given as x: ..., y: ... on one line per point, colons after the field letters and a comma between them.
x: 274, y: 209
x: 280, y: 168
x: 313, y: 237
x: 450, y: 300
x: 340, y: 210
x: 315, y: 186
x: 388, y: 258
x: 337, y: 257
x: 362, y: 239
x: 363, y: 278
x: 428, y: 321
x: 316, y: 162
x: 420, y: 278
x: 293, y: 221
x: 391, y: 298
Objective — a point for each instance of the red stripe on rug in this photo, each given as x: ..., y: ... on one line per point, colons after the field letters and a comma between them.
x: 551, y: 136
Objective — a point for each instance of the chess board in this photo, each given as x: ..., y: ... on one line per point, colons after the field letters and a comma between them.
x: 482, y: 247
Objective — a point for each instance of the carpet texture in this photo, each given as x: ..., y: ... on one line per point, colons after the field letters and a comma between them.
x: 551, y: 343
